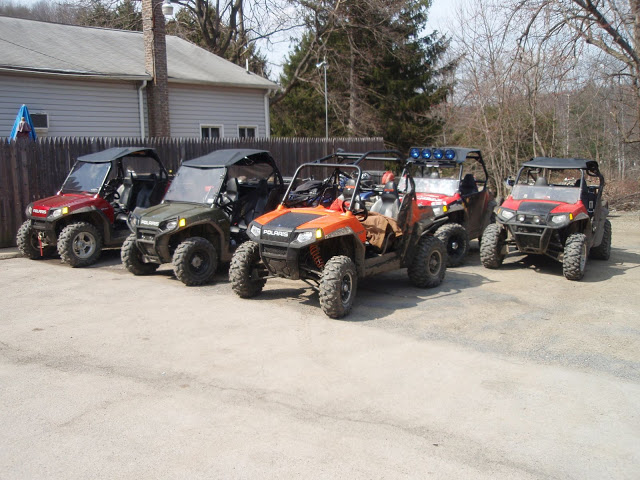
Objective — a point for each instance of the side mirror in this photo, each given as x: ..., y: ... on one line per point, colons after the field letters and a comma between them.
x: 509, y: 182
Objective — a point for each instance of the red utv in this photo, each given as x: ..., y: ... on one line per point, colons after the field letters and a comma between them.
x: 90, y: 210
x: 555, y: 209
x: 453, y: 181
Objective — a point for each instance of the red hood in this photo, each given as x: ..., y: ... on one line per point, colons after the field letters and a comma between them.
x: 73, y: 201
x: 428, y: 199
x: 561, y: 207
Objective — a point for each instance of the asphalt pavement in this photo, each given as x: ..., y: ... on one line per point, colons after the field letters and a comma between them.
x: 514, y: 373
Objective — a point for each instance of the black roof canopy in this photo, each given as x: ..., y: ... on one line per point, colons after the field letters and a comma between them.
x: 562, y: 163
x: 228, y: 157
x: 111, y: 154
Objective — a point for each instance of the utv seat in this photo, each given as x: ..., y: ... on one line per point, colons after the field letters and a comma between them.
x: 388, y: 204
x: 263, y: 197
x: 143, y: 199
x: 468, y: 185
x: 253, y: 204
x: 126, y: 196
x: 541, y: 182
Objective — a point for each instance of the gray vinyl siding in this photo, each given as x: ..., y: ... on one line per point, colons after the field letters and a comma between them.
x: 75, y: 107
x: 192, y: 106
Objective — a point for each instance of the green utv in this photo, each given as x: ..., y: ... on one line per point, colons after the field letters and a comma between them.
x: 204, y: 214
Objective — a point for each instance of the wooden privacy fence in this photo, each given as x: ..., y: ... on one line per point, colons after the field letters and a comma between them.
x: 31, y: 170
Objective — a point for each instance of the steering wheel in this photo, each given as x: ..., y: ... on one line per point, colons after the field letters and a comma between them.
x: 110, y: 189
x: 361, y: 213
x: 226, y: 204
x: 356, y: 213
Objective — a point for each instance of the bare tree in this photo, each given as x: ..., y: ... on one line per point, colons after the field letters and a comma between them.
x: 611, y: 26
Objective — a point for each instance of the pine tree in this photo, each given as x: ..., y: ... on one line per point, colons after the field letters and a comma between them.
x: 383, y: 77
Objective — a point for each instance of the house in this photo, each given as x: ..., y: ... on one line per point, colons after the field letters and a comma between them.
x: 86, y: 81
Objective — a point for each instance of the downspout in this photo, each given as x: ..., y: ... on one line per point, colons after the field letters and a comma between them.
x: 267, y: 119
x: 141, y: 107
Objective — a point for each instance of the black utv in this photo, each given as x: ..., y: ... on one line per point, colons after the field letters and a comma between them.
x: 204, y: 214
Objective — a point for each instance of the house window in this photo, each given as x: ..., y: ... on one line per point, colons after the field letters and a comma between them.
x: 211, y: 131
x: 247, y: 132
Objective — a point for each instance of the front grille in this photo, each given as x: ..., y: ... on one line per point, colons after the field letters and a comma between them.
x: 273, y: 250
x: 529, y: 242
x: 39, y: 224
x: 528, y: 230
x: 146, y: 235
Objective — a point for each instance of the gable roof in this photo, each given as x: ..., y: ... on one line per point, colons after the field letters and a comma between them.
x: 56, y: 49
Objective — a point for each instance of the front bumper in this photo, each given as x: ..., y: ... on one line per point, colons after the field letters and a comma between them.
x: 45, y: 228
x: 536, y: 239
x: 153, y: 243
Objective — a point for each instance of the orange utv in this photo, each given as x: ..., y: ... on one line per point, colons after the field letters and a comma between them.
x: 331, y: 245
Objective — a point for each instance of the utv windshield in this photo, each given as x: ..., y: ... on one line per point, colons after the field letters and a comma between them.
x: 554, y: 193
x: 441, y: 186
x: 195, y: 185
x: 86, y: 177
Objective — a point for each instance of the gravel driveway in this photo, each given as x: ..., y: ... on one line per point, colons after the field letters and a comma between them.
x: 515, y: 373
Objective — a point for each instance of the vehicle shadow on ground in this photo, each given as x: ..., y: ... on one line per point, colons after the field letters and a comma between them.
x: 108, y: 258
x: 380, y: 295
x: 621, y: 260
x: 597, y: 270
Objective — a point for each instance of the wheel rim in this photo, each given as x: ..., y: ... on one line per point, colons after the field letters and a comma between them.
x: 84, y: 245
x: 435, y: 261
x: 455, y: 246
x: 199, y: 262
x: 346, y: 287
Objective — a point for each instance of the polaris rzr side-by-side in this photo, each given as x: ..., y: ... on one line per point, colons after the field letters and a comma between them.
x: 90, y: 210
x: 204, y: 214
x: 556, y: 209
x: 454, y: 181
x: 331, y: 247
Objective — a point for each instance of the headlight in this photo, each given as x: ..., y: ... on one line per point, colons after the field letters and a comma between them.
x: 29, y: 210
x: 255, y: 231
x: 56, y: 213
x: 439, y: 209
x: 304, y: 237
x: 506, y: 214
x: 521, y: 218
x: 133, y: 220
x: 560, y: 219
x: 171, y: 224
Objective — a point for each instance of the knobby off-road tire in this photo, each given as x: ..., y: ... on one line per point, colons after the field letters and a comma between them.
x: 28, y: 245
x: 575, y: 256
x: 456, y: 239
x: 244, y: 271
x: 429, y: 264
x: 603, y: 251
x: 131, y: 257
x: 80, y: 244
x: 492, y: 246
x: 195, y: 261
x: 338, y: 286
